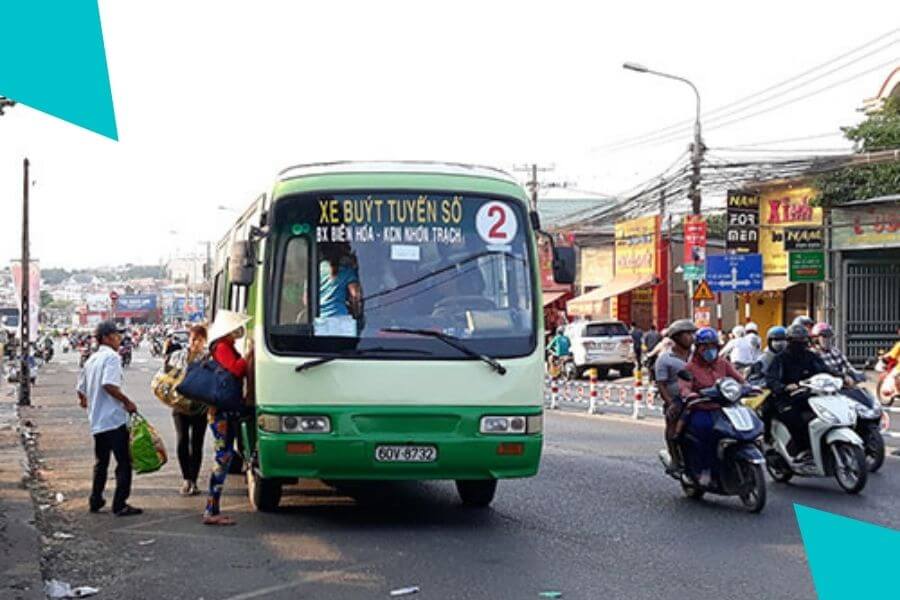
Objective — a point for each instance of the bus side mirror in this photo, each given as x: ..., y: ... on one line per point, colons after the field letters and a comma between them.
x: 564, y: 264
x: 242, y: 265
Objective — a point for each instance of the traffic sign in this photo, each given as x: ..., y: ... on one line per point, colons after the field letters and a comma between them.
x: 703, y: 292
x: 734, y: 272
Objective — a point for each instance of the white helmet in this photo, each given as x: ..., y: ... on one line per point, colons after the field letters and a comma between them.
x: 751, y: 326
x: 738, y: 331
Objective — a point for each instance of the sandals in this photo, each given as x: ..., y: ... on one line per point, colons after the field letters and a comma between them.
x: 221, y: 520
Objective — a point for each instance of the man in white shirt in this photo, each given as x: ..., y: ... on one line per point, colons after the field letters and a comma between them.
x: 747, y: 348
x: 100, y: 392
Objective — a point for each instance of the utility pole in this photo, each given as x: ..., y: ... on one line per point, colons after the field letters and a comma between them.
x: 533, y: 184
x: 25, y: 318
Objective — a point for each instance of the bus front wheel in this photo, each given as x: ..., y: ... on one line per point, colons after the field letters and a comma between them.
x: 265, y: 494
x: 476, y: 492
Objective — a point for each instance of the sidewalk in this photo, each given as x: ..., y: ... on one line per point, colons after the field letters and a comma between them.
x: 20, y: 552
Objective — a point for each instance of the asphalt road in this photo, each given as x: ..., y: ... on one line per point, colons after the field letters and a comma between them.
x: 601, y: 520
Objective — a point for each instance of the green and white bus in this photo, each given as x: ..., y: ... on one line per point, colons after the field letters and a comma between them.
x: 396, y: 326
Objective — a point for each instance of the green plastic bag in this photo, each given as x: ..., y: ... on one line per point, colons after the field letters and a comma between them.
x: 148, y: 454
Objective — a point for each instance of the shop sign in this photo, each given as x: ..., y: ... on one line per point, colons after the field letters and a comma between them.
x: 742, y: 227
x: 734, y: 272
x: 804, y: 238
x: 778, y: 209
x: 636, y: 242
x: 694, y: 247
x: 869, y: 227
x: 702, y: 316
x: 807, y: 266
x: 34, y: 293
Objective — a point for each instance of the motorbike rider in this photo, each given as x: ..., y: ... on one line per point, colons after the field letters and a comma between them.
x: 666, y: 368
x: 560, y: 347
x: 805, y: 321
x: 737, y: 332
x: 837, y: 363
x: 796, y: 363
x: 776, y: 342
x: 706, y: 367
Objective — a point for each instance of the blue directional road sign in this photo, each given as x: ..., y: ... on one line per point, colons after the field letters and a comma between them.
x: 734, y: 272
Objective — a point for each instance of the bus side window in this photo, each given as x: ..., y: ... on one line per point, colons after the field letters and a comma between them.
x: 293, y: 288
x: 216, y: 300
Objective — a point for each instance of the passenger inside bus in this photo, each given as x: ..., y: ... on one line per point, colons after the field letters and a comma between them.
x: 340, y: 292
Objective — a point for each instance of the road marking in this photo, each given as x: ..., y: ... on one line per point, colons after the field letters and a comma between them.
x: 315, y: 577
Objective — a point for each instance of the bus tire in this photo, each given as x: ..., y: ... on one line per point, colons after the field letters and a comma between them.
x: 265, y: 494
x: 477, y: 493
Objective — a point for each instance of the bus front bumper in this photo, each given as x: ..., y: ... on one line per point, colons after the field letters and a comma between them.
x: 349, y: 451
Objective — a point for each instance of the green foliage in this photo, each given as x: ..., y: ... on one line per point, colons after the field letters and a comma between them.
x: 46, y: 298
x: 880, y: 131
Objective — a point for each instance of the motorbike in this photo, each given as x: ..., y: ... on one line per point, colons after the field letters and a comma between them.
x: 836, y: 449
x: 125, y: 355
x: 731, y: 464
x: 156, y: 347
x: 887, y: 389
x: 86, y: 351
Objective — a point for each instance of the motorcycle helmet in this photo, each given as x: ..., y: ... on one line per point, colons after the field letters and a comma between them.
x: 738, y: 331
x: 798, y: 333
x: 822, y: 329
x: 707, y: 342
x: 751, y: 326
x: 706, y: 335
x: 803, y: 321
x: 681, y: 326
x: 560, y: 330
x: 776, y: 338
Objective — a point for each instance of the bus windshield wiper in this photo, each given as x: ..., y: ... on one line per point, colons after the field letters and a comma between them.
x: 354, y: 353
x: 453, y: 342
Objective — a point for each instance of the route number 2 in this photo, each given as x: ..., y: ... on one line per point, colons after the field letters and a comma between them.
x: 496, y: 223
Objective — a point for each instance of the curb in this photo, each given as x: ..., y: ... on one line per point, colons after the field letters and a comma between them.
x: 20, y: 569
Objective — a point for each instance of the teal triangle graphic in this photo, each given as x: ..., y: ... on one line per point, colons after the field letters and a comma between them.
x: 836, y: 549
x: 52, y: 59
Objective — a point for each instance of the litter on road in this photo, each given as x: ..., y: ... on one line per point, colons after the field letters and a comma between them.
x: 407, y: 591
x: 62, y: 535
x: 146, y: 542
x: 61, y: 589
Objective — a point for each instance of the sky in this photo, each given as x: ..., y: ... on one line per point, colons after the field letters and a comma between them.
x: 212, y: 98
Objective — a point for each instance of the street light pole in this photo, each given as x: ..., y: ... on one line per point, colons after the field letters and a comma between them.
x: 697, y: 151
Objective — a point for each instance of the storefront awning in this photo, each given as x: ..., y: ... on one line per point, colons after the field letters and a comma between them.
x: 551, y: 297
x: 592, y: 302
x: 776, y: 283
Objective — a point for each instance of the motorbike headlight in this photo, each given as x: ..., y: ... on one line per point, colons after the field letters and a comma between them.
x: 730, y: 389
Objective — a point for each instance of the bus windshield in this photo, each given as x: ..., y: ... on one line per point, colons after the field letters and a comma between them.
x: 345, y: 269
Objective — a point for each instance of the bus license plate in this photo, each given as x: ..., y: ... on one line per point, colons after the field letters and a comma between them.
x: 405, y: 453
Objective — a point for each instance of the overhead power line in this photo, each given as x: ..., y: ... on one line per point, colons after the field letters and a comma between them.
x: 710, y: 115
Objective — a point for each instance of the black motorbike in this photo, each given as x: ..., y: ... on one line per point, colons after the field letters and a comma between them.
x: 727, y: 459
x: 125, y: 354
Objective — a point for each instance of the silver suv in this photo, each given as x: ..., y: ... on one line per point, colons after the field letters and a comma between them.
x: 604, y: 345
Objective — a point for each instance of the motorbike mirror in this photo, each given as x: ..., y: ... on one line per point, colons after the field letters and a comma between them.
x: 685, y: 375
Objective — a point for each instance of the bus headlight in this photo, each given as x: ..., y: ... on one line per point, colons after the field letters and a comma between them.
x: 497, y: 424
x: 295, y: 423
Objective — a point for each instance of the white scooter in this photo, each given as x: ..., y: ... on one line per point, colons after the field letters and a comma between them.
x: 836, y: 448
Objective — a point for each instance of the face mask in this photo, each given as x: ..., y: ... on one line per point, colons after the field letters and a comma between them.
x: 826, y: 342
x: 710, y: 354
x: 778, y: 345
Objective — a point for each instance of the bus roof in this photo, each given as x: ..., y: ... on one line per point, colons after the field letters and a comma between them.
x: 403, y: 166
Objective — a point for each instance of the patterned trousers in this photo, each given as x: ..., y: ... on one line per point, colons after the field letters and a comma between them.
x: 224, y: 430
